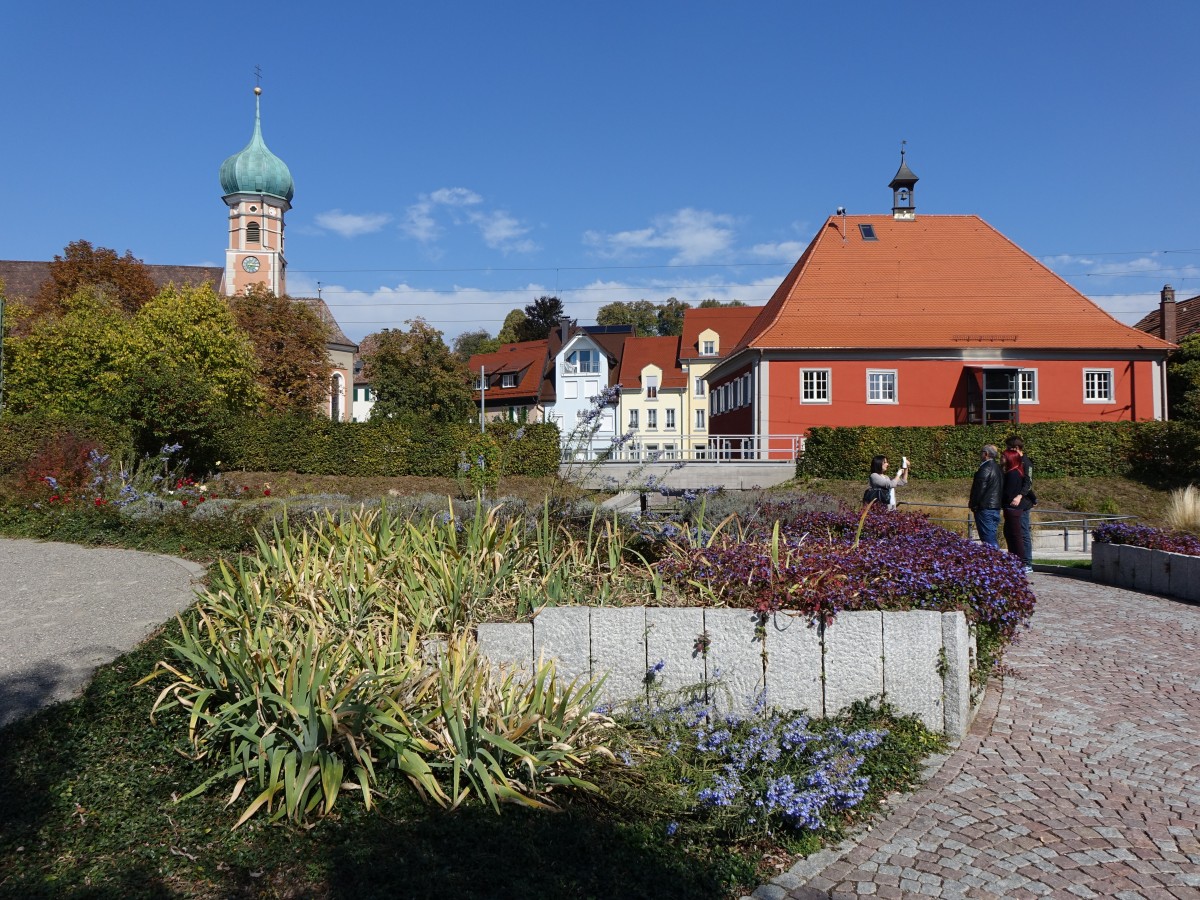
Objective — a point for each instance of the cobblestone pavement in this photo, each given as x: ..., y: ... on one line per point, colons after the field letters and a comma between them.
x: 1080, y: 778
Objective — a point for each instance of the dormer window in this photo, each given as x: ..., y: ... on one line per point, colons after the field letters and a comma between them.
x: 253, y: 234
x: 508, y: 380
x: 708, y: 348
x: 651, y: 387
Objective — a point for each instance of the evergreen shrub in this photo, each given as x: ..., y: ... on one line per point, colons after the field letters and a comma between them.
x: 317, y: 446
x: 23, y: 438
x: 1058, y: 449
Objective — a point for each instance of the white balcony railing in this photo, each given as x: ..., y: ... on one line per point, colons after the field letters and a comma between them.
x: 709, y: 448
x: 580, y: 368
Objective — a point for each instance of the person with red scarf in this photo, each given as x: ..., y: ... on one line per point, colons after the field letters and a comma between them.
x: 1014, y: 503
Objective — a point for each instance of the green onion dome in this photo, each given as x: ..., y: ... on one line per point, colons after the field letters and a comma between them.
x: 255, y: 169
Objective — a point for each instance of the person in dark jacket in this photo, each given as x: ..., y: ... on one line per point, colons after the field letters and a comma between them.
x: 1015, y: 504
x: 986, y: 490
x: 1014, y: 442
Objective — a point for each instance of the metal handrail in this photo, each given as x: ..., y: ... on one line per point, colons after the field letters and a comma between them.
x: 1085, y: 520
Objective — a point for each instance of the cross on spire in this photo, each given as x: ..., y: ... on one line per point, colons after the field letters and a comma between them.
x: 258, y: 76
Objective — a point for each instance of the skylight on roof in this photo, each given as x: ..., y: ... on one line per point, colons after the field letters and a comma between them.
x: 867, y: 232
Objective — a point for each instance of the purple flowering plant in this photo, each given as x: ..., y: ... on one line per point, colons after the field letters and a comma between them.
x: 1147, y: 536
x: 816, y: 564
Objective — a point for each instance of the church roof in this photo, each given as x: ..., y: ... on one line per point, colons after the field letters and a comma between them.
x: 934, y: 282
x: 24, y: 278
x: 255, y: 169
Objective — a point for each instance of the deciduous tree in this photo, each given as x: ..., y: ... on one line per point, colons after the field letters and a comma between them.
x: 124, y: 279
x: 470, y: 343
x: 510, y: 331
x: 641, y: 314
x: 415, y: 377
x: 289, y: 345
x: 1183, y: 380
x: 670, y: 317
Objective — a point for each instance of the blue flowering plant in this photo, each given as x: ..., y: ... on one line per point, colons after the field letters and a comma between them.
x: 767, y: 775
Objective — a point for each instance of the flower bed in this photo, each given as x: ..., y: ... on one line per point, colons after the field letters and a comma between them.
x: 818, y: 564
x: 1148, y: 537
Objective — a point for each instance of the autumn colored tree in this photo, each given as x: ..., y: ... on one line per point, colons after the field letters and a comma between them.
x: 175, y: 371
x: 541, y: 317
x: 415, y: 377
x: 123, y: 279
x: 289, y: 341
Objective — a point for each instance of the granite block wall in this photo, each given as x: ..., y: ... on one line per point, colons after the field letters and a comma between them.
x: 920, y: 661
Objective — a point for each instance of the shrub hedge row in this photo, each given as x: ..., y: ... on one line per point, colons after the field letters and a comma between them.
x: 316, y: 446
x: 321, y: 447
x: 1156, y: 451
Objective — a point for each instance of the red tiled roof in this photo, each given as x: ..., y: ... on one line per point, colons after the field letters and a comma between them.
x: 1187, y: 319
x: 730, y: 322
x: 934, y: 282
x: 527, y: 360
x: 651, y: 351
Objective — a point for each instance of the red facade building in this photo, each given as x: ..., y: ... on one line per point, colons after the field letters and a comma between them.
x: 930, y: 320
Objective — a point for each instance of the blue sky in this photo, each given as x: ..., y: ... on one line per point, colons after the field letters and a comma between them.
x: 456, y: 160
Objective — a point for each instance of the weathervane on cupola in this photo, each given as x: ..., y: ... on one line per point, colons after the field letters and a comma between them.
x: 258, y: 190
x: 903, y: 205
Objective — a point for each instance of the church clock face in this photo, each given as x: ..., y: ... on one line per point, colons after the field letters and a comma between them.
x: 250, y: 264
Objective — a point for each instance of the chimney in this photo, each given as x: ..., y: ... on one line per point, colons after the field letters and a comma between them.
x: 1167, y: 315
x: 564, y: 324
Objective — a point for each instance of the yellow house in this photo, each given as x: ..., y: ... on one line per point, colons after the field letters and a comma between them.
x: 708, y: 336
x: 653, y: 405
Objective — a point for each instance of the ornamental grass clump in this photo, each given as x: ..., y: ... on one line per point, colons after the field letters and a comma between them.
x: 337, y: 650
x: 1183, y: 510
x: 1147, y: 536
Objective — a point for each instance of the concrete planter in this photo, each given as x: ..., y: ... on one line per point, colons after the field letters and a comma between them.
x: 920, y: 661
x: 1148, y: 571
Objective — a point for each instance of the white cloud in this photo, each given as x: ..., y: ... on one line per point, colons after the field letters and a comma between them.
x: 788, y: 251
x: 501, y: 231
x: 455, y: 197
x: 350, y: 225
x: 695, y: 235
x: 426, y: 220
x: 457, y: 308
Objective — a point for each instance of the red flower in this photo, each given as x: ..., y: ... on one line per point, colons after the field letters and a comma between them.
x: 266, y: 492
x: 184, y: 502
x: 100, y: 501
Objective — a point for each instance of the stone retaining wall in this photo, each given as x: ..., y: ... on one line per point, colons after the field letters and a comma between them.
x: 920, y: 661
x: 1149, y: 571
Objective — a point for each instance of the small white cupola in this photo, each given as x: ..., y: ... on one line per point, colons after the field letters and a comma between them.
x: 904, y: 206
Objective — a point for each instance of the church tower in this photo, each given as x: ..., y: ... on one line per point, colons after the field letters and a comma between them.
x: 258, y: 191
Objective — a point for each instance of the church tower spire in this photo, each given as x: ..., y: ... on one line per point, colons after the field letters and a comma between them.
x: 258, y: 190
x: 904, y: 207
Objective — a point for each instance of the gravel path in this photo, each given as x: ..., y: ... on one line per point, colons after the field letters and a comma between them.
x: 1080, y: 778
x: 64, y: 610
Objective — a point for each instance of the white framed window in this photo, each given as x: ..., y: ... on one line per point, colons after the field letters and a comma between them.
x: 670, y: 418
x: 571, y: 390
x: 881, y: 385
x: 652, y: 418
x: 668, y: 451
x: 746, y: 388
x: 726, y: 396
x: 708, y: 348
x: 633, y: 418
x: 651, y: 387
x: 737, y: 393
x: 1097, y: 385
x: 814, y: 386
x: 699, y: 420
x: 699, y: 391
x: 1027, y: 386
x: 508, y: 380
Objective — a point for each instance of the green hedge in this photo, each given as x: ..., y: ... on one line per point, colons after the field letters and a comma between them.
x: 23, y: 437
x: 320, y: 447
x: 1059, y: 449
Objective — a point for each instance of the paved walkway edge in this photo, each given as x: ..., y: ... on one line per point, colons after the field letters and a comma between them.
x: 807, y: 879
